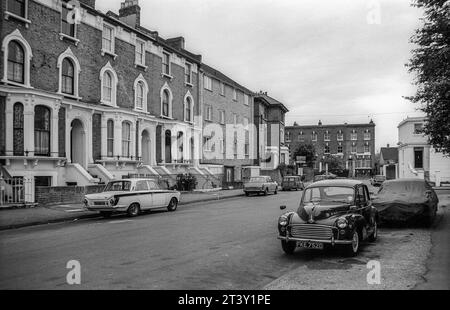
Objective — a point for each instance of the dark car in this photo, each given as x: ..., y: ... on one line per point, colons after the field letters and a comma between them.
x: 407, y: 201
x: 377, y: 180
x: 331, y: 213
x: 292, y: 182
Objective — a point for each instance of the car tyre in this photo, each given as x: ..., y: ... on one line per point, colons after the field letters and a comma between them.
x: 266, y: 192
x: 173, y: 204
x: 247, y: 194
x: 275, y: 192
x: 353, y: 248
x: 373, y: 237
x: 288, y: 246
x: 133, y: 210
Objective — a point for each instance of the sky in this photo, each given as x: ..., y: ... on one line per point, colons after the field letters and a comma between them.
x: 334, y: 61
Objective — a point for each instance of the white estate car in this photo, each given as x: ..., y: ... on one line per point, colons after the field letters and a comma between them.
x: 132, y: 196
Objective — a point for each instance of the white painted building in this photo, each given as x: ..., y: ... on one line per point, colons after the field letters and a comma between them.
x: 417, y: 158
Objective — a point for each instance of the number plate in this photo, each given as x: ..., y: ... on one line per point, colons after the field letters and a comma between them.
x: 310, y: 245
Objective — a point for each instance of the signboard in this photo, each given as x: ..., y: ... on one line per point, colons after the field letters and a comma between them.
x: 301, y: 159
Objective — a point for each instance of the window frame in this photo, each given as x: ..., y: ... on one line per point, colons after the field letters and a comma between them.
x: 64, y: 76
x: 110, y: 138
x: 140, y: 54
x: 39, y: 148
x: 126, y: 141
x: 112, y: 40
x: 166, y: 57
x: 9, y: 13
x: 188, y: 76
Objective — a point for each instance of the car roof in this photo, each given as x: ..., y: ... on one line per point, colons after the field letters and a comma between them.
x: 336, y: 182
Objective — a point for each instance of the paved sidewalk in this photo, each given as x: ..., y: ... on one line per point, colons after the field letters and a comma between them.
x: 16, y: 218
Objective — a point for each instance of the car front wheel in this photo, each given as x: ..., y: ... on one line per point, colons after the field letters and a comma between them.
x: 266, y: 192
x: 288, y: 246
x: 352, y: 249
x: 173, y: 204
x: 133, y: 210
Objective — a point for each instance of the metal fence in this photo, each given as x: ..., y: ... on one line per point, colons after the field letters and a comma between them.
x: 13, y: 191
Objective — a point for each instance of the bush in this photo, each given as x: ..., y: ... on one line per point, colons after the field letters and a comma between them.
x: 186, y: 182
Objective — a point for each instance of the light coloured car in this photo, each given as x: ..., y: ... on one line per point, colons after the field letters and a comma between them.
x: 132, y: 196
x: 260, y: 185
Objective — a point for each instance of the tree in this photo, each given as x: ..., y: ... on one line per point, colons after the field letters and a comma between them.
x: 307, y: 150
x: 431, y: 63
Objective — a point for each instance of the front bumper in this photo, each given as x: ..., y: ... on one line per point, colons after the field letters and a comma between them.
x: 331, y: 241
x: 118, y: 208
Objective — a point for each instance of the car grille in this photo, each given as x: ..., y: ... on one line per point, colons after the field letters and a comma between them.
x: 100, y: 203
x: 311, y: 231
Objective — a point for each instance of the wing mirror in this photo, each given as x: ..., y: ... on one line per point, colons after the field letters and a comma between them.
x: 282, y: 208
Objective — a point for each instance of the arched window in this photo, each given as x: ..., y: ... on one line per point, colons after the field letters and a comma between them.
x: 165, y: 103
x: 16, y: 63
x: 68, y: 77
x: 41, y: 131
x: 140, y: 96
x: 110, y: 138
x: 18, y: 130
x: 109, y: 80
x: 126, y: 139
x: 107, y: 87
x: 188, y: 110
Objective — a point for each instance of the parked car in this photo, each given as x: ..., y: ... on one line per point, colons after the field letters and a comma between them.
x: 377, y: 180
x: 407, y: 201
x: 331, y: 213
x: 322, y: 177
x: 132, y: 196
x: 292, y: 182
x: 260, y: 185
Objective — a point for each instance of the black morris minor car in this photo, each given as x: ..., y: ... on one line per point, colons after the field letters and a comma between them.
x: 331, y: 213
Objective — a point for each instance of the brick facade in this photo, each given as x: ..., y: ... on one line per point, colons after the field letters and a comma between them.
x: 360, y: 159
x: 225, y: 103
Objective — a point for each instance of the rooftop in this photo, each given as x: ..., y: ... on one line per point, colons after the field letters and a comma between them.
x: 270, y: 101
x: 214, y: 73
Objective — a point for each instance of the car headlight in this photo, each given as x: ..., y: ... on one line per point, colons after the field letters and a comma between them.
x: 342, y: 223
x: 283, y: 220
x: 113, y: 201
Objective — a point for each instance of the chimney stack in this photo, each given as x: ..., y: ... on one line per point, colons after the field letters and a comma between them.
x: 130, y: 13
x: 177, y: 42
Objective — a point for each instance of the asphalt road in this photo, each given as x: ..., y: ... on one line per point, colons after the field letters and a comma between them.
x: 229, y: 244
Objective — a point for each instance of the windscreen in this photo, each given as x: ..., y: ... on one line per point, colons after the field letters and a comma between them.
x: 329, y: 194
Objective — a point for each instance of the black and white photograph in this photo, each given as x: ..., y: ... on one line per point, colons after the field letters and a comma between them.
x: 225, y: 150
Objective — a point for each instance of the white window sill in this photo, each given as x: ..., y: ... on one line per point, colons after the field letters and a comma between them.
x: 208, y: 89
x: 16, y: 84
x: 166, y: 117
x: 167, y: 76
x: 70, y: 38
x: 70, y: 96
x: 22, y: 19
x: 106, y: 52
x: 188, y: 84
x: 109, y: 104
x: 138, y: 65
x: 189, y: 122
x: 140, y: 110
